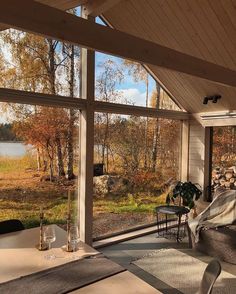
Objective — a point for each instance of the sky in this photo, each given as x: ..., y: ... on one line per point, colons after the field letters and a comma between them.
x: 132, y: 91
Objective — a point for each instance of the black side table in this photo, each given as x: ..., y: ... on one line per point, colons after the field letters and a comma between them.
x: 179, y: 211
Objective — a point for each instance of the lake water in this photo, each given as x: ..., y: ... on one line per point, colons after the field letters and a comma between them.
x: 16, y: 149
x: 13, y: 149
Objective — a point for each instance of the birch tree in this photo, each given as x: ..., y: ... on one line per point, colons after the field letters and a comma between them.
x: 106, y: 90
x: 140, y: 75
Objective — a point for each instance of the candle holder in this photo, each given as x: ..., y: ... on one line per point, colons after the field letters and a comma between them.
x: 42, y: 246
x: 68, y: 247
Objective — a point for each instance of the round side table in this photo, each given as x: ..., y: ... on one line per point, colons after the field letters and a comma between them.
x: 179, y: 211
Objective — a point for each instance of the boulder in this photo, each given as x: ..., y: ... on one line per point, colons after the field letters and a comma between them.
x: 106, y: 185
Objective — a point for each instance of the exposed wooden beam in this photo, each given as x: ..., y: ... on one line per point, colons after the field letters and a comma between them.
x: 53, y: 23
x: 17, y: 96
x: 98, y: 7
x: 139, y: 110
x: 60, y: 4
x: 219, y: 119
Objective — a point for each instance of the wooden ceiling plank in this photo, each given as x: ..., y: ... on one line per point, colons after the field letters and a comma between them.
x: 57, y: 24
x: 98, y: 7
x: 187, y: 89
x: 162, y: 36
x: 187, y: 32
x: 169, y: 19
x: 226, y: 36
x: 190, y: 19
x: 231, y: 11
x: 175, y: 85
x: 207, y: 18
x: 225, y: 28
x: 137, y: 28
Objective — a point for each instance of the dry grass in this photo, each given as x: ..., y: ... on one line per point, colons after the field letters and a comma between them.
x: 22, y: 193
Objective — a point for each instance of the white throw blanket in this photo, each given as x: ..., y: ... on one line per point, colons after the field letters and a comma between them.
x: 221, y: 212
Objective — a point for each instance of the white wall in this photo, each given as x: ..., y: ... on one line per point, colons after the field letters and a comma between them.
x: 199, y: 154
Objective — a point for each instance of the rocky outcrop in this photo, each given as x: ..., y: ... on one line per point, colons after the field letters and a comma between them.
x: 109, y: 185
x: 224, y: 178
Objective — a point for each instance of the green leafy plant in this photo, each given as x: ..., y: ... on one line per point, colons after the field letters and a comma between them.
x: 187, y: 191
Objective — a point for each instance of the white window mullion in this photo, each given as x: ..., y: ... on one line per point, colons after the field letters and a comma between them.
x: 86, y: 144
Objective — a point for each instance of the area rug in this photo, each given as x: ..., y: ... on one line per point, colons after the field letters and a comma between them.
x: 183, y: 272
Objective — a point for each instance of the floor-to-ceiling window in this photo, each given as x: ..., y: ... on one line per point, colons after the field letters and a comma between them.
x: 136, y: 150
x: 134, y: 157
x: 224, y: 157
x: 39, y: 136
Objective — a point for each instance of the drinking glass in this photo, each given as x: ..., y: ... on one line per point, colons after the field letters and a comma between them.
x: 49, y: 236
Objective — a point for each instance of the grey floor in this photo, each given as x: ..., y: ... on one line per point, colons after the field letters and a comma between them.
x: 126, y: 252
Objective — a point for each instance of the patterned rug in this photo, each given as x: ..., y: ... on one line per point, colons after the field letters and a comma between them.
x: 183, y: 271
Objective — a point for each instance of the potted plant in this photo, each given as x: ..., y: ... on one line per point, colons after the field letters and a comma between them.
x: 187, y: 191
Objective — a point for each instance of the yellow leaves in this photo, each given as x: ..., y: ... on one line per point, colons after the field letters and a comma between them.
x: 136, y: 70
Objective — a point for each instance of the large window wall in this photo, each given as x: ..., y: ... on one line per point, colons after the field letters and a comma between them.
x: 38, y: 163
x: 39, y: 144
x: 137, y: 156
x: 137, y: 147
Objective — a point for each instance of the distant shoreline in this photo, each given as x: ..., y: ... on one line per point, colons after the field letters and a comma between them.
x: 21, y: 142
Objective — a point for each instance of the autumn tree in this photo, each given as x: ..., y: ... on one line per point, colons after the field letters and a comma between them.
x: 71, y: 55
x: 38, y: 130
x: 37, y: 61
x: 155, y: 103
x: 140, y: 75
x: 127, y: 143
x: 109, y: 77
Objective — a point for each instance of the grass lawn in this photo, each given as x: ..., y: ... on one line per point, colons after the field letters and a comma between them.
x: 22, y: 193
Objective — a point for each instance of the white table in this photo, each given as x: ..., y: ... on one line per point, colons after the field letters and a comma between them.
x: 19, y: 257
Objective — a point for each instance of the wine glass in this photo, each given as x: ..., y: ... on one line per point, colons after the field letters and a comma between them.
x: 74, y: 237
x: 49, y: 236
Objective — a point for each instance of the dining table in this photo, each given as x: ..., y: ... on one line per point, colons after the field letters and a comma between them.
x: 20, y: 258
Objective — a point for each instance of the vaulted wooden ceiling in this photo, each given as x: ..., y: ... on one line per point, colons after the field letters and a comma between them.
x: 202, y: 28
x: 205, y: 29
